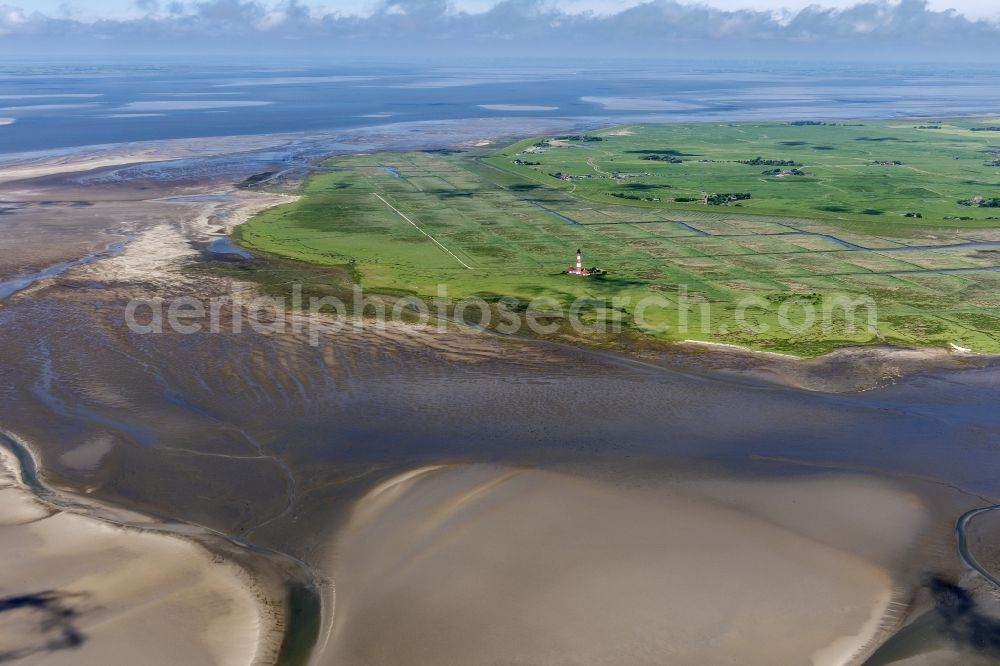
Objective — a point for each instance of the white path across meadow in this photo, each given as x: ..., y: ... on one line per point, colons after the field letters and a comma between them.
x: 417, y: 227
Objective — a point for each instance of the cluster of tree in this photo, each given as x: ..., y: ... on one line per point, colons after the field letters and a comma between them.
x: 520, y: 162
x: 542, y: 144
x: 927, y: 127
x: 785, y: 172
x: 980, y: 202
x: 719, y: 199
x: 579, y: 137
x: 994, y: 163
x: 633, y: 197
x: 988, y: 128
x: 783, y: 296
x: 760, y: 161
x: 885, y: 163
x: 662, y: 158
x: 661, y: 151
x: 917, y: 215
x: 810, y: 123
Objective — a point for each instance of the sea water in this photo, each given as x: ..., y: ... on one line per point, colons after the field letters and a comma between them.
x: 50, y: 106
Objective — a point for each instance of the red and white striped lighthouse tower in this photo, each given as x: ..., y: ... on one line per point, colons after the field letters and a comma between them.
x: 578, y: 269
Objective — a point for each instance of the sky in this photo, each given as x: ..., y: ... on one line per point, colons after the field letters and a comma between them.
x: 928, y: 30
x: 129, y: 8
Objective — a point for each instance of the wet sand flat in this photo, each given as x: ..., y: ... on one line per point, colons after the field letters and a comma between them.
x: 483, y: 565
x: 77, y: 590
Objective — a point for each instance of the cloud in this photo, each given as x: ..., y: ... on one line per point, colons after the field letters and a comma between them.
x: 903, y: 28
x: 11, y: 19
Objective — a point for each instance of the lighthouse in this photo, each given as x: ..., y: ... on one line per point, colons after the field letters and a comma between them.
x: 578, y: 269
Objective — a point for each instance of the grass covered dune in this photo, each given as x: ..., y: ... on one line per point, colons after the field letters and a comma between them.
x: 903, y: 216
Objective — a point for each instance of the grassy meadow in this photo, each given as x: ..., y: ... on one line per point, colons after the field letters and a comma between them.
x: 698, y: 215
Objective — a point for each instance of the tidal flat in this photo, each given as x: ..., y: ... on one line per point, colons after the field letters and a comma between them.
x: 402, y: 465
x: 85, y: 587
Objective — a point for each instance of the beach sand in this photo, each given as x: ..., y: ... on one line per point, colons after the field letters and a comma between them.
x: 76, y: 590
x: 22, y: 166
x: 480, y: 564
